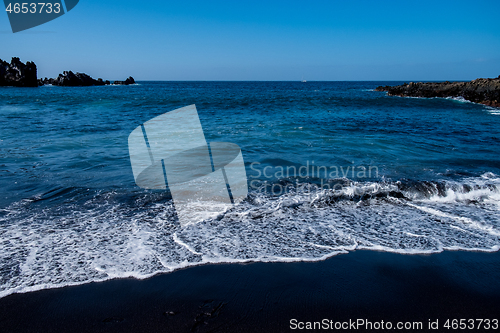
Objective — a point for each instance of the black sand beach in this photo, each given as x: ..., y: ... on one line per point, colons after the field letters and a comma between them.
x: 264, y: 297
x: 165, y: 166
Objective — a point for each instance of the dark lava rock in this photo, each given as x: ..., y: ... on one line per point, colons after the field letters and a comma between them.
x: 18, y: 74
x: 484, y: 91
x: 70, y: 79
x: 128, y: 81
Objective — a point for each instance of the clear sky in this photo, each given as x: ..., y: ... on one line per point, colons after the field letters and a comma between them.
x: 266, y: 40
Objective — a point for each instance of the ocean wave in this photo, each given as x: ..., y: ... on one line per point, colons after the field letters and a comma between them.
x: 493, y: 110
x: 105, y: 238
x: 459, y: 99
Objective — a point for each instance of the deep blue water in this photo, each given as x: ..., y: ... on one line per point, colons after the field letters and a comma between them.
x: 70, y: 211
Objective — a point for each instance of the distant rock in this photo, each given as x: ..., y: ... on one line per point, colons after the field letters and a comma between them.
x: 484, y: 91
x: 18, y: 74
x: 128, y: 81
x: 70, y: 79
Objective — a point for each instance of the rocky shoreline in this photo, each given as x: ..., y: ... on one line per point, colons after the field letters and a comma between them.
x: 18, y: 74
x: 483, y: 91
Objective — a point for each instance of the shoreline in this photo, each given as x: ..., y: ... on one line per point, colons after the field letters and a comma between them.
x: 256, y: 297
x: 459, y: 99
x: 41, y: 288
x: 481, y: 91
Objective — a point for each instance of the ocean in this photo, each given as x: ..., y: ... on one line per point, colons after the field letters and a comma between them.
x: 332, y: 167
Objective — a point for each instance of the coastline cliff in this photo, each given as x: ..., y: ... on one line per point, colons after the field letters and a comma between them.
x: 483, y: 91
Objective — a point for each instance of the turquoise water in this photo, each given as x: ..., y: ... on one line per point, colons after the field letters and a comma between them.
x: 426, y: 178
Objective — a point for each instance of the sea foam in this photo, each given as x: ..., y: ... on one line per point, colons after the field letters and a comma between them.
x: 104, y: 239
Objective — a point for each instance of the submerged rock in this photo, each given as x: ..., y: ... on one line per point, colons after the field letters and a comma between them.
x: 484, y: 91
x: 18, y: 74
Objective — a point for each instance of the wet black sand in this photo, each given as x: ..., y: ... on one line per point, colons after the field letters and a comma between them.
x: 264, y: 297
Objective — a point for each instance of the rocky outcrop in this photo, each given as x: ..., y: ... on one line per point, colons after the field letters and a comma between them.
x: 128, y: 81
x: 70, y: 79
x: 18, y: 74
x: 484, y: 91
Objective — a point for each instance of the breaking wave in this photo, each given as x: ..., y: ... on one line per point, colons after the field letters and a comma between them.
x: 102, y: 236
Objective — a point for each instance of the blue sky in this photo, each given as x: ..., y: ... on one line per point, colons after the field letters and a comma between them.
x: 266, y: 40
